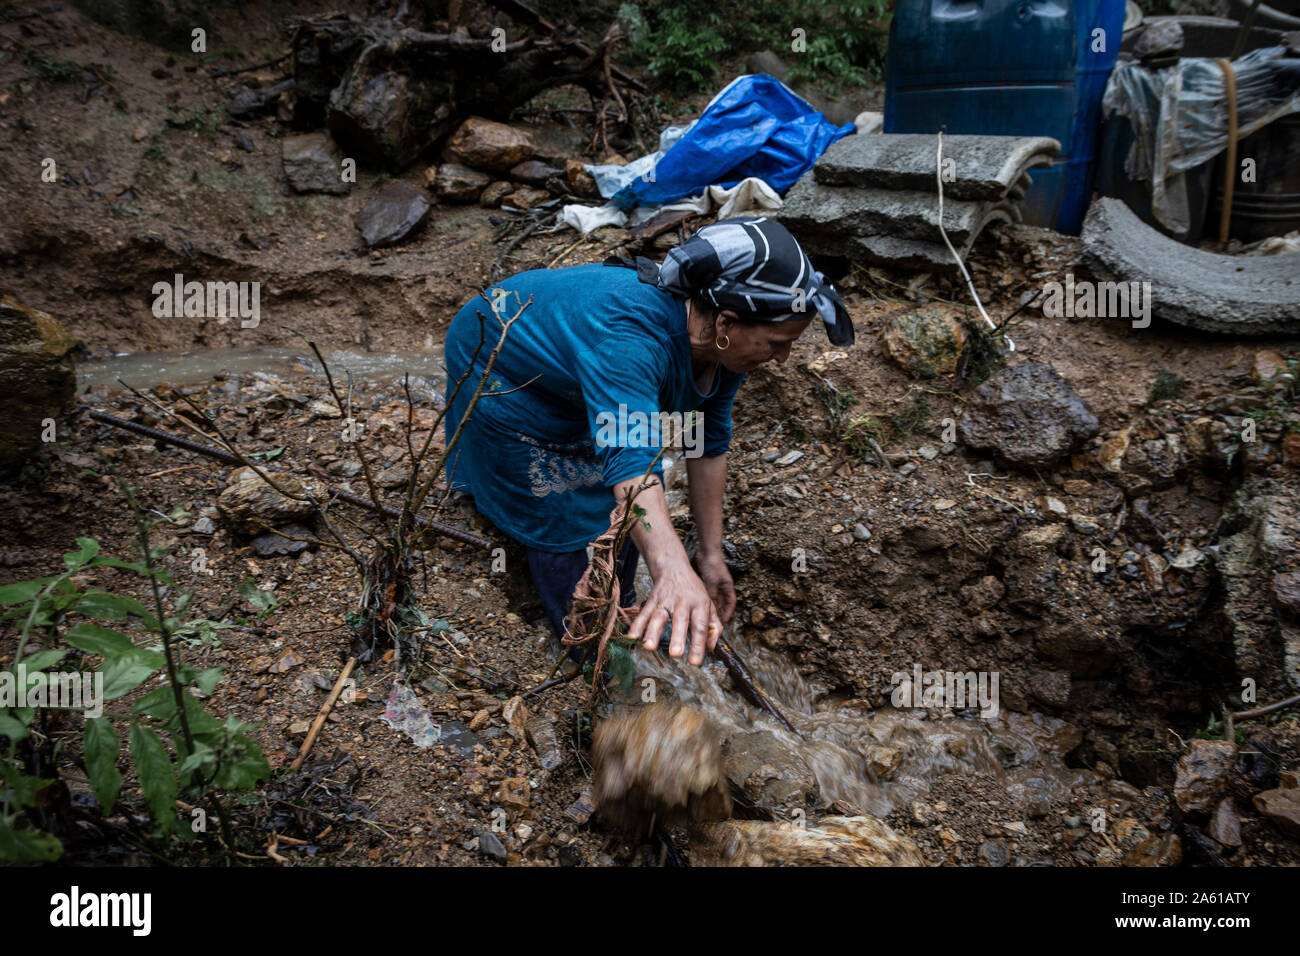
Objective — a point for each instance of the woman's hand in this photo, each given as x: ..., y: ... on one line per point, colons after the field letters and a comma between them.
x: 678, y: 592
x: 717, y: 581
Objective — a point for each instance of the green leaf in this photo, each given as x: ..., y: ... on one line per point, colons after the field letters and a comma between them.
x: 103, y: 641
x: 159, y: 703
x: 43, y: 659
x: 200, y: 721
x: 12, y: 727
x: 124, y: 674
x: 20, y: 592
x: 108, y: 561
x: 245, y: 768
x: 257, y: 599
x: 88, y: 548
x: 24, y: 789
x: 208, y: 680
x: 153, y: 765
x: 109, y: 607
x: 100, y: 747
x: 27, y: 845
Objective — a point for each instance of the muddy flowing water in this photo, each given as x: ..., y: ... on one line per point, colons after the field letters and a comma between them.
x: 839, y: 744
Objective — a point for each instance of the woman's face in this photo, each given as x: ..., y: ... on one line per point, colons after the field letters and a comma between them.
x: 752, y: 345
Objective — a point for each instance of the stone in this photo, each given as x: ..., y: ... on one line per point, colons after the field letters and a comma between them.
x: 272, y: 544
x: 455, y: 183
x: 1028, y: 416
x: 540, y: 731
x: 494, y: 193
x: 1111, y: 453
x: 1160, y: 40
x: 834, y: 841
x: 1266, y: 365
x: 490, y: 845
x: 1282, y: 808
x: 581, y: 182
x: 534, y: 172
x: 38, y: 379
x: 861, y: 533
x: 312, y: 164
x: 485, y: 144
x: 249, y: 504
x: 1202, y: 774
x: 514, y: 792
x: 1286, y: 593
x: 1225, y: 825
x: 993, y: 853
x: 393, y: 215
x: 526, y: 197
x: 883, y: 761
x: 773, y: 775
x: 1165, y: 850
x: 926, y: 342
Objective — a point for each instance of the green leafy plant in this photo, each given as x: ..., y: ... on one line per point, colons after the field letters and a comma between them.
x: 205, y: 754
x: 264, y: 603
x: 1166, y: 386
x: 51, y: 69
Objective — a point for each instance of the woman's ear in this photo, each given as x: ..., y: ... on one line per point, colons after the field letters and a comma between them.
x: 725, y: 322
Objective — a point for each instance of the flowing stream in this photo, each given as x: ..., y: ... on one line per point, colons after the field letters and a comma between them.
x: 847, y: 748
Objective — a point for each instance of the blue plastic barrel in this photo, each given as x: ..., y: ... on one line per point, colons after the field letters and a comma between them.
x: 1014, y: 68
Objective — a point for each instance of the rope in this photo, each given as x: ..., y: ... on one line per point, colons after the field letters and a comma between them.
x: 938, y: 175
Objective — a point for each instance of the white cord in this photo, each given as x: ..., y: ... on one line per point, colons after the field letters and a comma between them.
x: 938, y: 173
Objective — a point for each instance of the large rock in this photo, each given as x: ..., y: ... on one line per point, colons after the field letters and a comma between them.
x: 38, y: 378
x: 1202, y: 776
x: 1258, y: 531
x: 484, y: 144
x: 1282, y: 807
x: 393, y: 215
x: 773, y: 775
x: 250, y: 505
x: 1027, y: 416
x: 456, y: 183
x: 312, y: 164
x: 835, y: 841
x: 927, y: 342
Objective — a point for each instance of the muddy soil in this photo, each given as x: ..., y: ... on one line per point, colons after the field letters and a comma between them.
x: 934, y: 556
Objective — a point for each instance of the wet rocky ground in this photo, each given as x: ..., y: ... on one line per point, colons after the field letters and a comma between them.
x: 1117, y: 555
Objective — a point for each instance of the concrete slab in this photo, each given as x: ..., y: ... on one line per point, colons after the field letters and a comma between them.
x: 985, y: 167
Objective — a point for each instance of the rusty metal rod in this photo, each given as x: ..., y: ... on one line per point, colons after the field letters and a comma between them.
x: 341, y: 494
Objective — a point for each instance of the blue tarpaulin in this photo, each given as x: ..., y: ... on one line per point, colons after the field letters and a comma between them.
x: 755, y: 127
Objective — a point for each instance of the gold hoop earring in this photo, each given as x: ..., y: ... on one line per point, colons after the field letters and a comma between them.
x: 717, y: 343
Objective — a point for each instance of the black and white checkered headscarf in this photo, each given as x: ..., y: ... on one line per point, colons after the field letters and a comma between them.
x: 753, y: 265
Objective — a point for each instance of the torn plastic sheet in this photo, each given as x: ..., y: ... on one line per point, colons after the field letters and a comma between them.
x: 746, y: 195
x: 1179, y: 116
x: 405, y: 713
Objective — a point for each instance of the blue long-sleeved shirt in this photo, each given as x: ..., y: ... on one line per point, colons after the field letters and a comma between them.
x: 595, y: 347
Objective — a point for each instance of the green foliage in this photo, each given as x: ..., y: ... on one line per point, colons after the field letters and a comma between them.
x: 205, y: 754
x: 860, y: 433
x: 1167, y: 385
x: 52, y: 70
x: 683, y: 41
